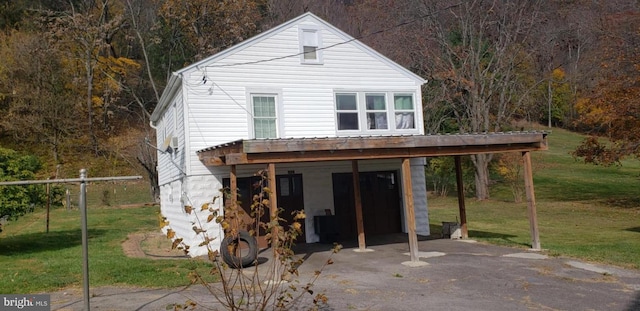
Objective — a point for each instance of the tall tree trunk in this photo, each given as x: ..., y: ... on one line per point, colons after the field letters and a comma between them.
x: 481, y: 164
x: 89, y: 69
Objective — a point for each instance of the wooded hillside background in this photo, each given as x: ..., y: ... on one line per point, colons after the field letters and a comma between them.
x: 79, y: 78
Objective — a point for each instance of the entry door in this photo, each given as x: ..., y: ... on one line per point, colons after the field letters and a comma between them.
x: 380, y: 195
x: 290, y: 199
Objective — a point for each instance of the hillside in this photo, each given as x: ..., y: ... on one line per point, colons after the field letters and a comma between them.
x: 584, y: 211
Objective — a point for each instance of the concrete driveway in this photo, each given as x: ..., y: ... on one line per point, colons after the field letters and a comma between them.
x: 460, y: 275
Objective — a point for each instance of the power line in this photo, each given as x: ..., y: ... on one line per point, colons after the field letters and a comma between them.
x: 408, y: 22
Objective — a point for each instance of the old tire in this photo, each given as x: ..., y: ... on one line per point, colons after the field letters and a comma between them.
x: 229, y: 249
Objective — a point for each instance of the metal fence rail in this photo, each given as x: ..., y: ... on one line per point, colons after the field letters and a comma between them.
x: 83, y: 180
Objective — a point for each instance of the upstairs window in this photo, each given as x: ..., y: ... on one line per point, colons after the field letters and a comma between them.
x: 404, y: 111
x: 310, y: 43
x: 359, y: 113
x: 376, y: 108
x: 264, y: 116
x: 347, y: 108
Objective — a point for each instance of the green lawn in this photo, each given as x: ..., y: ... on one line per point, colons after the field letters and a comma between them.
x: 585, y: 211
x: 34, y: 261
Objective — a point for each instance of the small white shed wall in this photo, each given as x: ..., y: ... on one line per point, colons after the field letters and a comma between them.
x: 317, y: 190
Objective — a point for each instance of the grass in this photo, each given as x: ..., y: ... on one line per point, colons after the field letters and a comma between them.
x: 34, y: 261
x: 584, y: 211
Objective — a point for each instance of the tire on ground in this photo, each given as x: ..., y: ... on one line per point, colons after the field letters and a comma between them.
x: 229, y: 245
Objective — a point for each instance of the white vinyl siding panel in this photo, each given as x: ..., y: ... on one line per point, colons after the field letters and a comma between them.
x: 171, y: 165
x: 218, y: 109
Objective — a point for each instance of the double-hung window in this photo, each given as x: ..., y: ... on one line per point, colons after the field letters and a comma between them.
x: 376, y: 108
x: 373, y: 112
x: 404, y: 111
x: 347, y: 111
x: 264, y: 116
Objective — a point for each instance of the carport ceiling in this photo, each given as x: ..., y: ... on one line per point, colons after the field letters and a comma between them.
x: 263, y: 151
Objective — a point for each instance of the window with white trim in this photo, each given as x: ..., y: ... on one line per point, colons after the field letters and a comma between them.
x: 347, y: 109
x: 310, y: 44
x: 376, y: 108
x: 264, y: 115
x: 404, y: 111
x: 375, y: 113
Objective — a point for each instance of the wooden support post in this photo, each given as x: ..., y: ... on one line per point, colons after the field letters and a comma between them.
x: 233, y: 185
x: 531, y: 201
x: 233, y: 199
x: 461, y: 205
x: 362, y: 245
x: 409, y: 213
x: 273, y: 215
x: 273, y: 203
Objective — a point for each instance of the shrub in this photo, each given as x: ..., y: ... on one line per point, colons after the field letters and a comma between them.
x: 17, y: 200
x: 275, y: 285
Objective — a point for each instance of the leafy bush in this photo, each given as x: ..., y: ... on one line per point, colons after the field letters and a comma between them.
x: 273, y: 285
x: 18, y: 200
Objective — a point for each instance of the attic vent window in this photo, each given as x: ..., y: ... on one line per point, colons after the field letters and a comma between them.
x: 310, y: 44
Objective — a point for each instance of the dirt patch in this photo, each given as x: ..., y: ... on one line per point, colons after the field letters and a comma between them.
x: 153, y: 245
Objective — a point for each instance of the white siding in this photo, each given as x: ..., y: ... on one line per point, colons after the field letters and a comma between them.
x: 192, y: 191
x: 171, y: 165
x: 213, y: 108
x: 317, y: 191
x: 218, y: 110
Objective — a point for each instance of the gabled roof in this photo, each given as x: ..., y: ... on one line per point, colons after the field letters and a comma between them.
x: 176, y: 78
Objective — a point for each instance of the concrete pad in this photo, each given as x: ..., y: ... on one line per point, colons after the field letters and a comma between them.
x: 366, y: 250
x: 588, y: 267
x: 427, y: 254
x: 467, y: 241
x: 526, y: 256
x: 415, y: 264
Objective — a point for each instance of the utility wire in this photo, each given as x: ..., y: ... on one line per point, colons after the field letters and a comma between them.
x: 408, y: 22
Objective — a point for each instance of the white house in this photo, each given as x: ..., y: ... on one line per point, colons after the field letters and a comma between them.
x: 300, y: 81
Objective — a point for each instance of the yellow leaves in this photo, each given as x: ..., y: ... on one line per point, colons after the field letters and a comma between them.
x: 198, y: 230
x: 162, y: 221
x: 299, y: 215
x: 175, y: 243
x: 171, y: 234
x: 558, y: 74
x: 211, y: 217
x: 296, y: 226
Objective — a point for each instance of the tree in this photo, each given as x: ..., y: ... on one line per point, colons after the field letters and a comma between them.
x: 39, y: 110
x: 479, y: 57
x: 16, y: 201
x: 612, y: 109
x: 559, y: 98
x: 85, y: 38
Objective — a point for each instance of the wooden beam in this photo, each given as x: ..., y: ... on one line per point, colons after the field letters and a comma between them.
x: 407, y: 189
x: 461, y: 206
x: 412, y: 141
x: 531, y: 201
x: 358, y: 154
x: 361, y: 148
x: 358, y: 204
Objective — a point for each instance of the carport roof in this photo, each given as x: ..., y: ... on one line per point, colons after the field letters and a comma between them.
x: 261, y: 151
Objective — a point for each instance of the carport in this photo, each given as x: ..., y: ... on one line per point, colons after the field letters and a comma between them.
x: 271, y: 152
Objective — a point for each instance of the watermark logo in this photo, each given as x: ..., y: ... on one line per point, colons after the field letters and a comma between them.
x: 25, y: 302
